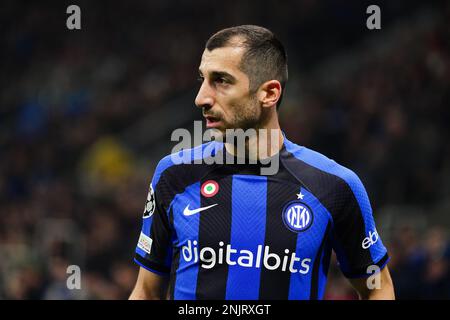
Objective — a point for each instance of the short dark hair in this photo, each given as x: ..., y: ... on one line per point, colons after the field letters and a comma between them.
x: 264, y: 58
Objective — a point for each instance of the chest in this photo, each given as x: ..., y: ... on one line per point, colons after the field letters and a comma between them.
x: 250, y: 213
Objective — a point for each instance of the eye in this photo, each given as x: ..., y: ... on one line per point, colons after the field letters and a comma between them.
x: 221, y: 80
x: 200, y: 79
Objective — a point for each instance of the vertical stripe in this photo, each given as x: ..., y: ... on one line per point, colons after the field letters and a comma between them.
x: 247, y: 232
x: 187, y: 228
x: 315, y: 277
x: 309, y: 248
x: 161, y: 234
x: 146, y: 224
x: 323, y: 271
x: 278, y: 238
x: 175, y: 258
x: 215, y: 227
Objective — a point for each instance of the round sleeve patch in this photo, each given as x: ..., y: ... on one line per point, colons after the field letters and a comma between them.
x: 150, y: 205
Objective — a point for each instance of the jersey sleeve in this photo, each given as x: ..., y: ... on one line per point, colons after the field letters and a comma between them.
x: 355, y: 239
x: 154, y: 247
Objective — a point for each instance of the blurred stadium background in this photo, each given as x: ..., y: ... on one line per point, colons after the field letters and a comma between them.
x: 85, y: 116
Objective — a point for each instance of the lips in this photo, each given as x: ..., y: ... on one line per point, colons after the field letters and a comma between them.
x: 212, y: 122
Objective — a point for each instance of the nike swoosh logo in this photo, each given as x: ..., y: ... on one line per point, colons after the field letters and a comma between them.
x: 188, y: 212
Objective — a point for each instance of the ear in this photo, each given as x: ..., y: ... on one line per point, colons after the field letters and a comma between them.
x: 269, y: 93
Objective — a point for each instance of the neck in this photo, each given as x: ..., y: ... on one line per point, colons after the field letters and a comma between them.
x: 261, y: 143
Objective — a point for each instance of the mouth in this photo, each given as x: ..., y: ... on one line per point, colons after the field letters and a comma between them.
x: 212, y: 122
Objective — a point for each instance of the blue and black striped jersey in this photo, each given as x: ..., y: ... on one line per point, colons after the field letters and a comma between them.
x: 224, y: 231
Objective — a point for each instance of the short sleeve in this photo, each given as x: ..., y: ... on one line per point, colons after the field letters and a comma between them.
x: 355, y: 239
x: 154, y: 247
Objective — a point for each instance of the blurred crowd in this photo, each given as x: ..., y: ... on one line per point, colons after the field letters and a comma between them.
x: 72, y: 191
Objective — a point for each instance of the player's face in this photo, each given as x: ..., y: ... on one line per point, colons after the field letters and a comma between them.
x: 224, y: 94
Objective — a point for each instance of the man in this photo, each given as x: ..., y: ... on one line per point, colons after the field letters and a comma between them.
x: 224, y: 231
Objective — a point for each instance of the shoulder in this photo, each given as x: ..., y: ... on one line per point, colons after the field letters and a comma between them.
x: 328, y: 171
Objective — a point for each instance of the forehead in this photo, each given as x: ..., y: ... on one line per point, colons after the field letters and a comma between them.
x: 222, y: 59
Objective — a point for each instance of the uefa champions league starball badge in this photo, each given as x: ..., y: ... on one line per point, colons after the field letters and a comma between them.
x: 150, y: 205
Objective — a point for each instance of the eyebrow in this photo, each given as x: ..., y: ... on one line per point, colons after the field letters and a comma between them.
x: 219, y: 74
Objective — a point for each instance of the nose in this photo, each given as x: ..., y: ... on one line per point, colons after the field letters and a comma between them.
x: 205, y: 96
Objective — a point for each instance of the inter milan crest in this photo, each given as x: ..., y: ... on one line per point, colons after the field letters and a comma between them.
x: 297, y: 216
x: 150, y: 204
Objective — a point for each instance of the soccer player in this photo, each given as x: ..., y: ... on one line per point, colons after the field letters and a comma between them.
x: 225, y: 231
